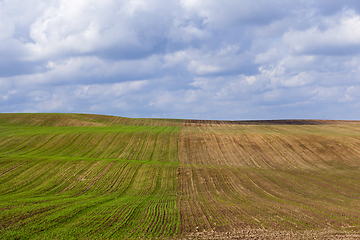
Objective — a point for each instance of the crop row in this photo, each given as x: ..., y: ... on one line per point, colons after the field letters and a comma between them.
x: 272, y: 177
x: 68, y: 199
x: 269, y: 148
x: 223, y: 199
x: 147, y: 144
x: 144, y: 178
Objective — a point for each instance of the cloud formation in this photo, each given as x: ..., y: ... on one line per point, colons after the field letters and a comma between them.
x: 210, y: 59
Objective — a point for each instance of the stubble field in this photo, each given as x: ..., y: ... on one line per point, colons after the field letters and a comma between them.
x: 76, y: 176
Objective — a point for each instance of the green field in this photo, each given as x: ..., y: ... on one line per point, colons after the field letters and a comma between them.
x: 78, y: 176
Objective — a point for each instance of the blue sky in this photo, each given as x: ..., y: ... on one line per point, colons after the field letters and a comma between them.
x: 203, y: 59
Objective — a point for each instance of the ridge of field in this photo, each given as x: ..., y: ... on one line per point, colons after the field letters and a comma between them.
x: 196, y: 122
x: 92, y: 120
x: 80, y: 120
x: 80, y: 176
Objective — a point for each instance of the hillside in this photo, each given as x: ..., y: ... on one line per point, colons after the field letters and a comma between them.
x: 80, y: 176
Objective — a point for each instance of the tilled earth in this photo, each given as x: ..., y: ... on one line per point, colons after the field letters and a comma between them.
x: 268, y: 234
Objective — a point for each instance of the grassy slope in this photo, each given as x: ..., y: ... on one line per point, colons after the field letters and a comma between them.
x: 112, y: 180
x: 91, y: 176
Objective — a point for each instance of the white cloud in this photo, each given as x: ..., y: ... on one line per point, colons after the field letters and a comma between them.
x: 251, y: 79
x: 80, y: 27
x: 85, y: 70
x: 220, y: 14
x: 338, y: 34
x: 232, y: 59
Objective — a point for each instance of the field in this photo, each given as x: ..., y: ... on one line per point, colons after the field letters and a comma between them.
x: 78, y: 176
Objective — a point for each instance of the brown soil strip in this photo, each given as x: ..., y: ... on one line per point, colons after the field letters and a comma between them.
x: 274, y: 234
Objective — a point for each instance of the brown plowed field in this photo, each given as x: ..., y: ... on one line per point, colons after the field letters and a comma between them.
x: 293, y: 180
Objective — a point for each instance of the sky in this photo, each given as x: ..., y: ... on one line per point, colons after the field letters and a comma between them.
x: 197, y: 59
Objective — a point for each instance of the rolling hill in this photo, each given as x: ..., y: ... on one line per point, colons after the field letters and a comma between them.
x: 80, y: 176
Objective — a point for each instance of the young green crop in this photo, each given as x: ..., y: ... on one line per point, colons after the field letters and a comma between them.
x: 87, y: 182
